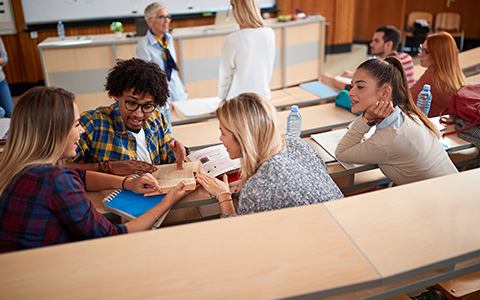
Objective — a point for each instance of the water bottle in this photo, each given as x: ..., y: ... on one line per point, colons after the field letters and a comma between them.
x: 294, y: 121
x: 167, y: 113
x: 61, y: 30
x: 424, y: 99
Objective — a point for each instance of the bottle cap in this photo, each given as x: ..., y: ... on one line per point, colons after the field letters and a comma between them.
x: 294, y: 108
x: 426, y: 87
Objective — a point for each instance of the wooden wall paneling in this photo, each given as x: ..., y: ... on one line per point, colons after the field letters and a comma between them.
x: 324, y: 8
x: 468, y: 9
x: 344, y: 22
x: 371, y: 14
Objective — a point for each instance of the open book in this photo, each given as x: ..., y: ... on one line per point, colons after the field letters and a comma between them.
x: 215, y: 161
x: 168, y: 176
x: 330, y: 139
x: 196, y: 107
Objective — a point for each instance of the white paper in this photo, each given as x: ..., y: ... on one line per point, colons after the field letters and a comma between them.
x: 197, y: 107
x: 330, y: 139
x: 214, y: 160
x: 4, y: 126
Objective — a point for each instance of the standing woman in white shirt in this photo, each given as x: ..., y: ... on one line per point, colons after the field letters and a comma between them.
x: 247, y: 58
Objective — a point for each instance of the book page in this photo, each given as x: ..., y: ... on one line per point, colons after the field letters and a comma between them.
x: 168, y: 176
x: 214, y: 160
x: 330, y: 139
x: 197, y: 107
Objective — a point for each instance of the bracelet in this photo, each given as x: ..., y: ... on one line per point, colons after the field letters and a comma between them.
x: 107, y: 167
x: 224, y: 201
x: 100, y: 167
x: 123, y: 182
x: 153, y: 214
x: 223, y: 193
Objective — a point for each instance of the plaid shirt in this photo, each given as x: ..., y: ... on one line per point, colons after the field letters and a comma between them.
x: 107, y: 138
x: 48, y: 205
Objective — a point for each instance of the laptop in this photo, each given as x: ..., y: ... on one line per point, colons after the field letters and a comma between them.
x: 141, y: 26
x: 224, y: 22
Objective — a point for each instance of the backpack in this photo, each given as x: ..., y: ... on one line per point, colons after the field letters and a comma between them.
x: 464, y: 104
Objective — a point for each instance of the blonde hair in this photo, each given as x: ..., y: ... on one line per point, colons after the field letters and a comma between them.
x: 443, y: 53
x: 389, y: 71
x: 40, y: 124
x: 247, y: 13
x: 254, y: 123
x: 152, y: 9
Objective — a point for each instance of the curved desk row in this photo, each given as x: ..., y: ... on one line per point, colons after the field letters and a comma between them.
x: 348, y: 246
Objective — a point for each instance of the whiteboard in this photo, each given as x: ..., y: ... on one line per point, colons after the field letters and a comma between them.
x: 52, y: 11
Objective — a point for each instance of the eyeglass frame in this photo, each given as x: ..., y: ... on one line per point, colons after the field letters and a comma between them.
x: 138, y: 105
x: 422, y: 49
x: 163, y: 17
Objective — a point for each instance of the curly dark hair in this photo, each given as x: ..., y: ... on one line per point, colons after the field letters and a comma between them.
x: 142, y: 76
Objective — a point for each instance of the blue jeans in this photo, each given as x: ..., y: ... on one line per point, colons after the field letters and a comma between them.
x: 6, y: 99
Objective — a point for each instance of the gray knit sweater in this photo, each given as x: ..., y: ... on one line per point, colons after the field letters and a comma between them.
x: 293, y: 177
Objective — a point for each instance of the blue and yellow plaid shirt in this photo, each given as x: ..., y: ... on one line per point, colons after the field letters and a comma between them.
x: 107, y: 138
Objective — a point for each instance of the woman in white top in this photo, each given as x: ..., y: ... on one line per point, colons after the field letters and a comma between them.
x: 405, y: 144
x: 247, y: 58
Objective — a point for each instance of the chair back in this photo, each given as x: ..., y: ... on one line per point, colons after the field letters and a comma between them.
x: 447, y: 21
x: 415, y: 15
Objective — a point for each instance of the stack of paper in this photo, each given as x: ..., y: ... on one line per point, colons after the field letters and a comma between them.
x: 196, y: 107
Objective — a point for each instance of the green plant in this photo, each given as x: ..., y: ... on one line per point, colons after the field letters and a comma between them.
x: 116, y: 26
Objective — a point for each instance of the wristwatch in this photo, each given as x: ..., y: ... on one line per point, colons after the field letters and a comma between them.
x: 369, y: 122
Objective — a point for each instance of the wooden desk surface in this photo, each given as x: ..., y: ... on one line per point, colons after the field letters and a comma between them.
x: 267, y: 255
x: 475, y: 79
x: 406, y: 228
x: 197, y: 197
x: 314, y: 119
x: 469, y: 59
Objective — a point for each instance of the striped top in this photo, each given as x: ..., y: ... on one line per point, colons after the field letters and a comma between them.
x: 407, y: 63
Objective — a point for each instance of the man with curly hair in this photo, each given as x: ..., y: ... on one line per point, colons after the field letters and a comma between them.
x: 131, y: 135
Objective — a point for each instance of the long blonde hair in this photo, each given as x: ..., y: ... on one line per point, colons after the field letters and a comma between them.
x: 254, y: 123
x: 40, y: 124
x: 443, y: 53
x: 247, y: 13
x: 389, y: 71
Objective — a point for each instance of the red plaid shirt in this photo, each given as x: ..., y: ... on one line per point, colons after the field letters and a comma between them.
x: 48, y: 205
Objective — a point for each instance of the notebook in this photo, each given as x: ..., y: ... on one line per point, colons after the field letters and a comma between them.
x: 319, y: 89
x: 130, y: 205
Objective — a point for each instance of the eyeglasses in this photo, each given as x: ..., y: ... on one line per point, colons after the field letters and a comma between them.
x: 229, y: 8
x: 422, y: 49
x: 163, y: 18
x: 133, y: 106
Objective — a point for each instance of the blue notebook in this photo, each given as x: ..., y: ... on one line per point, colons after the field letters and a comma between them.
x: 130, y: 205
x: 319, y: 89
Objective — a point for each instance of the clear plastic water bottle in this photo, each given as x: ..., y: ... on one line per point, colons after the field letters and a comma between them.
x: 61, y: 30
x: 424, y: 99
x: 167, y: 113
x: 294, y: 121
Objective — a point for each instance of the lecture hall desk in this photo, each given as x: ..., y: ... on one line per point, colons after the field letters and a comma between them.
x: 316, y: 118
x: 352, y: 245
